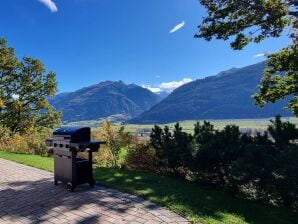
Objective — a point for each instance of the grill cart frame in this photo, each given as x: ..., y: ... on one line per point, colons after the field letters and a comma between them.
x: 68, y: 167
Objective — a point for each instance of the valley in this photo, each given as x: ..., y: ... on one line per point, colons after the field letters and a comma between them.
x: 227, y: 95
x: 244, y: 124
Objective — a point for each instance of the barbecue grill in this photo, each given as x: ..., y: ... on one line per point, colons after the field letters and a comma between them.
x: 67, y: 142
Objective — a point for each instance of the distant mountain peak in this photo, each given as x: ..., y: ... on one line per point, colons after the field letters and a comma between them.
x: 104, y: 99
x: 234, y: 70
x: 226, y: 95
x: 227, y: 72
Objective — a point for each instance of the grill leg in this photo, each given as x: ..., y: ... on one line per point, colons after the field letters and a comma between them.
x: 91, y: 179
x: 92, y: 182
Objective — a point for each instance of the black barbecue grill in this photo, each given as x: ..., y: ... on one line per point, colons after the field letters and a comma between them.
x: 68, y: 167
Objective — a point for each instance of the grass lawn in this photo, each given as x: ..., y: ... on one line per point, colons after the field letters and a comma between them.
x: 188, y: 199
x: 45, y: 163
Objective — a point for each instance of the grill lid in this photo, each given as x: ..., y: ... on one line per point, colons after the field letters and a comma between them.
x: 75, y: 134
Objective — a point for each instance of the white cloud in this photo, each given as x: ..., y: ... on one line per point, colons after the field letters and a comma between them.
x: 50, y: 4
x: 259, y: 55
x: 177, y: 27
x: 167, y: 86
x: 170, y: 86
x: 152, y: 89
x: 157, y: 76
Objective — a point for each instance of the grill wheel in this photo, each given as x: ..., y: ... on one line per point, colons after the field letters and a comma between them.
x: 69, y: 187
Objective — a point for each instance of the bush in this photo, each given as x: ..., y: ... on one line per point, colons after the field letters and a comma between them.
x: 4, y: 135
x: 33, y: 142
x: 263, y: 167
x: 109, y: 154
x: 141, y: 157
x: 103, y: 157
x: 172, y: 150
x: 216, y: 155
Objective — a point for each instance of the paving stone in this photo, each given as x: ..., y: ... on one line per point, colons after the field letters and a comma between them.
x: 29, y: 196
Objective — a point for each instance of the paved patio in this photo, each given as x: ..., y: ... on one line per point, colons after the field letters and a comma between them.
x: 28, y: 195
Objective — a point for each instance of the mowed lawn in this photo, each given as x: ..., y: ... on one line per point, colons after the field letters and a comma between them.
x: 197, y: 203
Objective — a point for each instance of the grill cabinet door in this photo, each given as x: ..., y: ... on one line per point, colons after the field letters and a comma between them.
x: 67, y: 167
x: 58, y: 170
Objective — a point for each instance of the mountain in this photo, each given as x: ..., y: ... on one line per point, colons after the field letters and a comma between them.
x: 224, y: 96
x: 163, y: 94
x: 104, y: 99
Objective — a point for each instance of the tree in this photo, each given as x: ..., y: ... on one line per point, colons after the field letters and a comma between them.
x: 283, y: 133
x: 116, y: 140
x: 157, y: 143
x: 163, y: 143
x: 285, y: 166
x: 24, y: 89
x: 203, y: 133
x: 216, y: 154
x: 253, y: 21
x: 113, y: 142
x: 167, y: 145
x: 181, y: 154
x: 172, y: 150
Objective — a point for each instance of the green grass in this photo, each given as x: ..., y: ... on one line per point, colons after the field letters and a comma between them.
x: 122, y: 155
x: 188, y: 126
x: 45, y: 163
x: 197, y: 203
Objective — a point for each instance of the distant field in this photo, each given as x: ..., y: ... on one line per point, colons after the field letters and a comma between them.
x: 244, y: 124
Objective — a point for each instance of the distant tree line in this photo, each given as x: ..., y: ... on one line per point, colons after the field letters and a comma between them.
x: 263, y: 167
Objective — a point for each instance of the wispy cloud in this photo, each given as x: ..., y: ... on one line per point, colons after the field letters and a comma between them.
x: 259, y: 55
x: 152, y: 89
x: 177, y: 27
x: 50, y: 4
x: 174, y: 84
x: 167, y: 86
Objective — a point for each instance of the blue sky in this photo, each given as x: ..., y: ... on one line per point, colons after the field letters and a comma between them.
x: 144, y: 42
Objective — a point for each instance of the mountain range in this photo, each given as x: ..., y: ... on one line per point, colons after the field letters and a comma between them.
x: 104, y: 99
x: 226, y: 95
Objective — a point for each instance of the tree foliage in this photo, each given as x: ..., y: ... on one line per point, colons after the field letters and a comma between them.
x: 253, y: 21
x: 173, y: 150
x: 115, y: 140
x: 24, y: 89
x: 280, y: 79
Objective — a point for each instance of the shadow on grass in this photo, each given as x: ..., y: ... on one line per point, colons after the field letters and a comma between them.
x: 190, y: 199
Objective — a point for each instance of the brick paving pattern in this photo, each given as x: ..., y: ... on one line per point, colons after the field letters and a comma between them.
x: 28, y: 195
